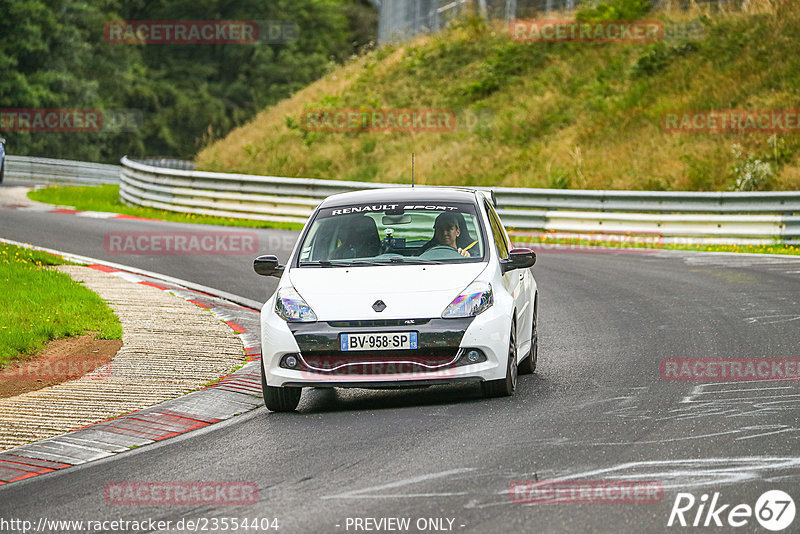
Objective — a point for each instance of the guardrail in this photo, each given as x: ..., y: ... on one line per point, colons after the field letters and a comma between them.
x: 31, y: 169
x: 687, y: 217
x: 244, y: 196
x: 759, y: 217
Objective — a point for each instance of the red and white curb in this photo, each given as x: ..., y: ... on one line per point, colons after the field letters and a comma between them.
x: 234, y: 394
x: 46, y: 208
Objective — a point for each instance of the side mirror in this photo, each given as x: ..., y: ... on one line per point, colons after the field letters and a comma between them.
x: 268, y: 266
x: 518, y: 258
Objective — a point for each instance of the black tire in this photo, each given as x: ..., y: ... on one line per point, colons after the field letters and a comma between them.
x: 2, y: 171
x: 279, y: 399
x: 528, y: 365
x: 505, y: 386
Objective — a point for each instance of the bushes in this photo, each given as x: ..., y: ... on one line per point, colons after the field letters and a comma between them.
x: 615, y: 10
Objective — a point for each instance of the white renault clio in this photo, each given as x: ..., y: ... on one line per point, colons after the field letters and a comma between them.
x: 399, y: 287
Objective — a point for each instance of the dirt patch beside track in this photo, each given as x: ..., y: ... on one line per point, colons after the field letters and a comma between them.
x: 61, y: 360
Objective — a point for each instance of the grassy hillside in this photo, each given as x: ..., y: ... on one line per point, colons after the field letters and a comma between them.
x: 565, y: 115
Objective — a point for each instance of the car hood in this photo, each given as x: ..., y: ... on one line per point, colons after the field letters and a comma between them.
x: 409, y: 291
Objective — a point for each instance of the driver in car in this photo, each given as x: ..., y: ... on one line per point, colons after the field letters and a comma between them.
x: 446, y: 231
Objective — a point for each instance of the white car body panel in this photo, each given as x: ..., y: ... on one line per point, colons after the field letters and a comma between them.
x: 410, y: 292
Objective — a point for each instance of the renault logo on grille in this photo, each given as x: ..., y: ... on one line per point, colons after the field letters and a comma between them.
x: 379, y: 306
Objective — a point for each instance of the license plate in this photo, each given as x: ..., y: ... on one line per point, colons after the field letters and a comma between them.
x: 380, y: 341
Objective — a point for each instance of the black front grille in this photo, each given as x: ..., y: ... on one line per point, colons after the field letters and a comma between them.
x: 376, y: 364
x: 434, y: 334
x: 429, y: 356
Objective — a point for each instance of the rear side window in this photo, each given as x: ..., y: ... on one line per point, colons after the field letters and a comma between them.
x: 497, y: 232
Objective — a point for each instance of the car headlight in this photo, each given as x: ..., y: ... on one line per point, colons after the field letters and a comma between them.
x: 474, y: 300
x: 292, y: 308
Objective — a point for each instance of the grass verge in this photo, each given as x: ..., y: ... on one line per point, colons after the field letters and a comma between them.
x: 105, y: 198
x: 39, y: 304
x: 645, y: 242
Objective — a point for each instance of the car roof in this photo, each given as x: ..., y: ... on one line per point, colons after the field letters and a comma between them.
x: 401, y: 194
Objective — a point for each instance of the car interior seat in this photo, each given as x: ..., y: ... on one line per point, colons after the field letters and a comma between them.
x: 464, y: 240
x: 359, y: 240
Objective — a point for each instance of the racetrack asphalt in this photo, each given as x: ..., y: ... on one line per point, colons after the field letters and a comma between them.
x: 597, y: 409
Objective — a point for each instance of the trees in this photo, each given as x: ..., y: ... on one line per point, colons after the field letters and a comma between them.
x: 54, y: 55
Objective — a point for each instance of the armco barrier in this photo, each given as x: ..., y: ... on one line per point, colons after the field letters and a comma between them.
x: 243, y: 196
x: 650, y: 201
x: 759, y: 217
x: 30, y: 169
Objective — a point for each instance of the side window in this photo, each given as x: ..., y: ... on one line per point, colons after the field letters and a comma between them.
x: 497, y: 232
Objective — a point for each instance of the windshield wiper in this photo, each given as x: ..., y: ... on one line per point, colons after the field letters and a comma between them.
x: 418, y: 261
x: 325, y: 263
x: 368, y: 262
x: 382, y: 261
x: 404, y: 260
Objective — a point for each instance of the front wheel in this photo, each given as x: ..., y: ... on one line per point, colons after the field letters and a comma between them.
x: 279, y: 399
x: 505, y: 386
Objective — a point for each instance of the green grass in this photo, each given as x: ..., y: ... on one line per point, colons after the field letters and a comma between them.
x: 39, y: 304
x: 648, y: 242
x: 791, y: 250
x: 105, y: 198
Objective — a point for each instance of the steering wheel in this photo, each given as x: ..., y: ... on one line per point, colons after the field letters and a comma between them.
x: 440, y: 252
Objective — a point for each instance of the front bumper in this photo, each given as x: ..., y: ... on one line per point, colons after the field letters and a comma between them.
x: 440, y: 358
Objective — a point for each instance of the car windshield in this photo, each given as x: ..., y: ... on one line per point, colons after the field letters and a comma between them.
x: 393, y: 233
